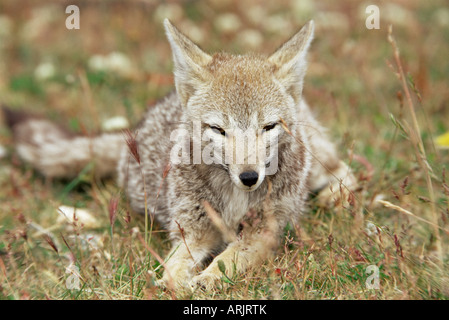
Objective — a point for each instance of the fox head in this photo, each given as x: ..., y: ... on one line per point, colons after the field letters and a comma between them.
x: 241, y: 98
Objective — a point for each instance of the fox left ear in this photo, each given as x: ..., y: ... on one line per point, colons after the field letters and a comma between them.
x: 189, y: 62
x: 290, y: 60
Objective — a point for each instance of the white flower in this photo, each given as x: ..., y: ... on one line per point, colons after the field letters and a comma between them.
x: 171, y: 11
x: 277, y: 23
x: 115, y: 123
x: 227, y: 22
x: 3, y: 152
x: 97, y: 62
x: 115, y: 61
x: 256, y: 14
x: 44, y: 71
x: 250, y: 38
x: 371, y: 229
x: 303, y: 9
x: 118, y: 62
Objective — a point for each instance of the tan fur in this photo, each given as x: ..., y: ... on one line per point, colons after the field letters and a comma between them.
x: 230, y: 92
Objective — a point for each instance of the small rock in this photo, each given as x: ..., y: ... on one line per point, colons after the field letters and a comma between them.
x: 115, y: 123
x: 75, y: 215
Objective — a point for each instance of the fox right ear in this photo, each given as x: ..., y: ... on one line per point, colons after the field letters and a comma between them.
x: 290, y: 60
x: 189, y: 61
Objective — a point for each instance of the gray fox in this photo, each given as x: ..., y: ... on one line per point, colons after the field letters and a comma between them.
x: 216, y: 207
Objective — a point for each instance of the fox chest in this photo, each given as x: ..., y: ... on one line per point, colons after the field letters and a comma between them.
x: 236, y: 205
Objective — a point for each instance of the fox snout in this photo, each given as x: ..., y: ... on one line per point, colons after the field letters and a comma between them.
x: 249, y: 178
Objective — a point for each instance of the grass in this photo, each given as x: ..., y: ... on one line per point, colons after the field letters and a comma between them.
x: 353, y: 87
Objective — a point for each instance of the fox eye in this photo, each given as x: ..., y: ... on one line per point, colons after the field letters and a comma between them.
x: 218, y: 130
x: 270, y: 126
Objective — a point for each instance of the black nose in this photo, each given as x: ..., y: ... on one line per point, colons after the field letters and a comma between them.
x: 249, y: 178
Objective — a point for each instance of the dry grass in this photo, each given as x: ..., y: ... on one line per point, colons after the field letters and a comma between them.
x: 383, y: 119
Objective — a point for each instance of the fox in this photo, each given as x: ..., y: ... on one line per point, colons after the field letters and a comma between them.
x: 220, y: 214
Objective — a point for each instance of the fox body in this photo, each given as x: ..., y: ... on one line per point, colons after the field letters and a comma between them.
x: 234, y: 212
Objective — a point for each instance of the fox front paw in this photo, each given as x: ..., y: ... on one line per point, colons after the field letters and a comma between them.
x: 205, y: 280
x: 175, y: 280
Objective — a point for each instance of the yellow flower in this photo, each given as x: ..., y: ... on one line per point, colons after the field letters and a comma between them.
x: 442, y: 141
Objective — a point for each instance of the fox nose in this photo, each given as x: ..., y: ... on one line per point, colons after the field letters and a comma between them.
x: 249, y: 178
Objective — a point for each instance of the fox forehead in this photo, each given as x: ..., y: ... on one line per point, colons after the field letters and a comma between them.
x: 243, y: 88
x: 252, y: 62
x: 240, y: 70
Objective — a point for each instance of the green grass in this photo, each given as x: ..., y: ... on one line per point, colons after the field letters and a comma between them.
x: 352, y: 90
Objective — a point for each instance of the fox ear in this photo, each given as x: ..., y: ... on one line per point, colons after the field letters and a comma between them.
x: 290, y: 60
x: 189, y: 62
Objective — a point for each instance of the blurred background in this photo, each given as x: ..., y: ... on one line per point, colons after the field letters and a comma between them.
x: 119, y: 60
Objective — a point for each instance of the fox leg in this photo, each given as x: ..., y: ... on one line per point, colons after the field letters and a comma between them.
x: 188, y: 253
x: 181, y: 263
x: 254, y: 245
x: 329, y: 175
x: 239, y: 255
